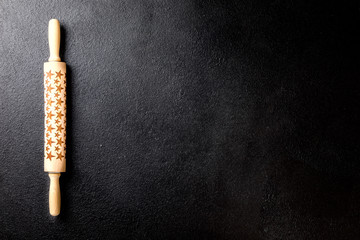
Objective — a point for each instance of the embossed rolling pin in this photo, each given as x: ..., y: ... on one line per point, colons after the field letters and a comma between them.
x: 55, y: 117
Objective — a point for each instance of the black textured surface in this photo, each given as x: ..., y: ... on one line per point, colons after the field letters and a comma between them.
x: 187, y: 120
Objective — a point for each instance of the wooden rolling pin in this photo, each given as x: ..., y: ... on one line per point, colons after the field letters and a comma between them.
x: 55, y: 117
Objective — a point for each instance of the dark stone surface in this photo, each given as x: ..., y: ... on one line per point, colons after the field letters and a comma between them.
x: 187, y: 120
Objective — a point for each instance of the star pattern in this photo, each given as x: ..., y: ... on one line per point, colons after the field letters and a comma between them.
x: 49, y: 129
x: 60, y: 156
x: 59, y: 101
x: 55, y: 115
x: 49, y: 156
x: 49, y: 88
x: 59, y: 88
x: 49, y: 75
x: 59, y: 74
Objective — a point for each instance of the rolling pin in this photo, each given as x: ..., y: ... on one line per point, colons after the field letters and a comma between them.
x: 55, y: 117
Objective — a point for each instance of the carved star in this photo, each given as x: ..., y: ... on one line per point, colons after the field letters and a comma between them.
x: 56, y: 134
x: 47, y: 149
x: 59, y: 102
x: 59, y: 128
x: 47, y: 121
x: 59, y: 114
x: 50, y: 102
x: 49, y: 156
x: 49, y: 129
x: 49, y: 74
x: 57, y: 108
x: 60, y: 156
x: 59, y: 141
x: 56, y: 94
x: 49, y: 88
x: 57, y: 121
x: 58, y: 74
x: 49, y: 142
x: 57, y: 148
x: 47, y: 95
x: 47, y: 108
x: 59, y: 88
x: 47, y: 135
x: 50, y: 115
x: 46, y: 82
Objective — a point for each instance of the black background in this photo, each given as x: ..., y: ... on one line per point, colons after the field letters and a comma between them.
x: 186, y: 120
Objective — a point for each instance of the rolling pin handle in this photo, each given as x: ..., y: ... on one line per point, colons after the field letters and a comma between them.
x: 54, y: 194
x: 54, y: 40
